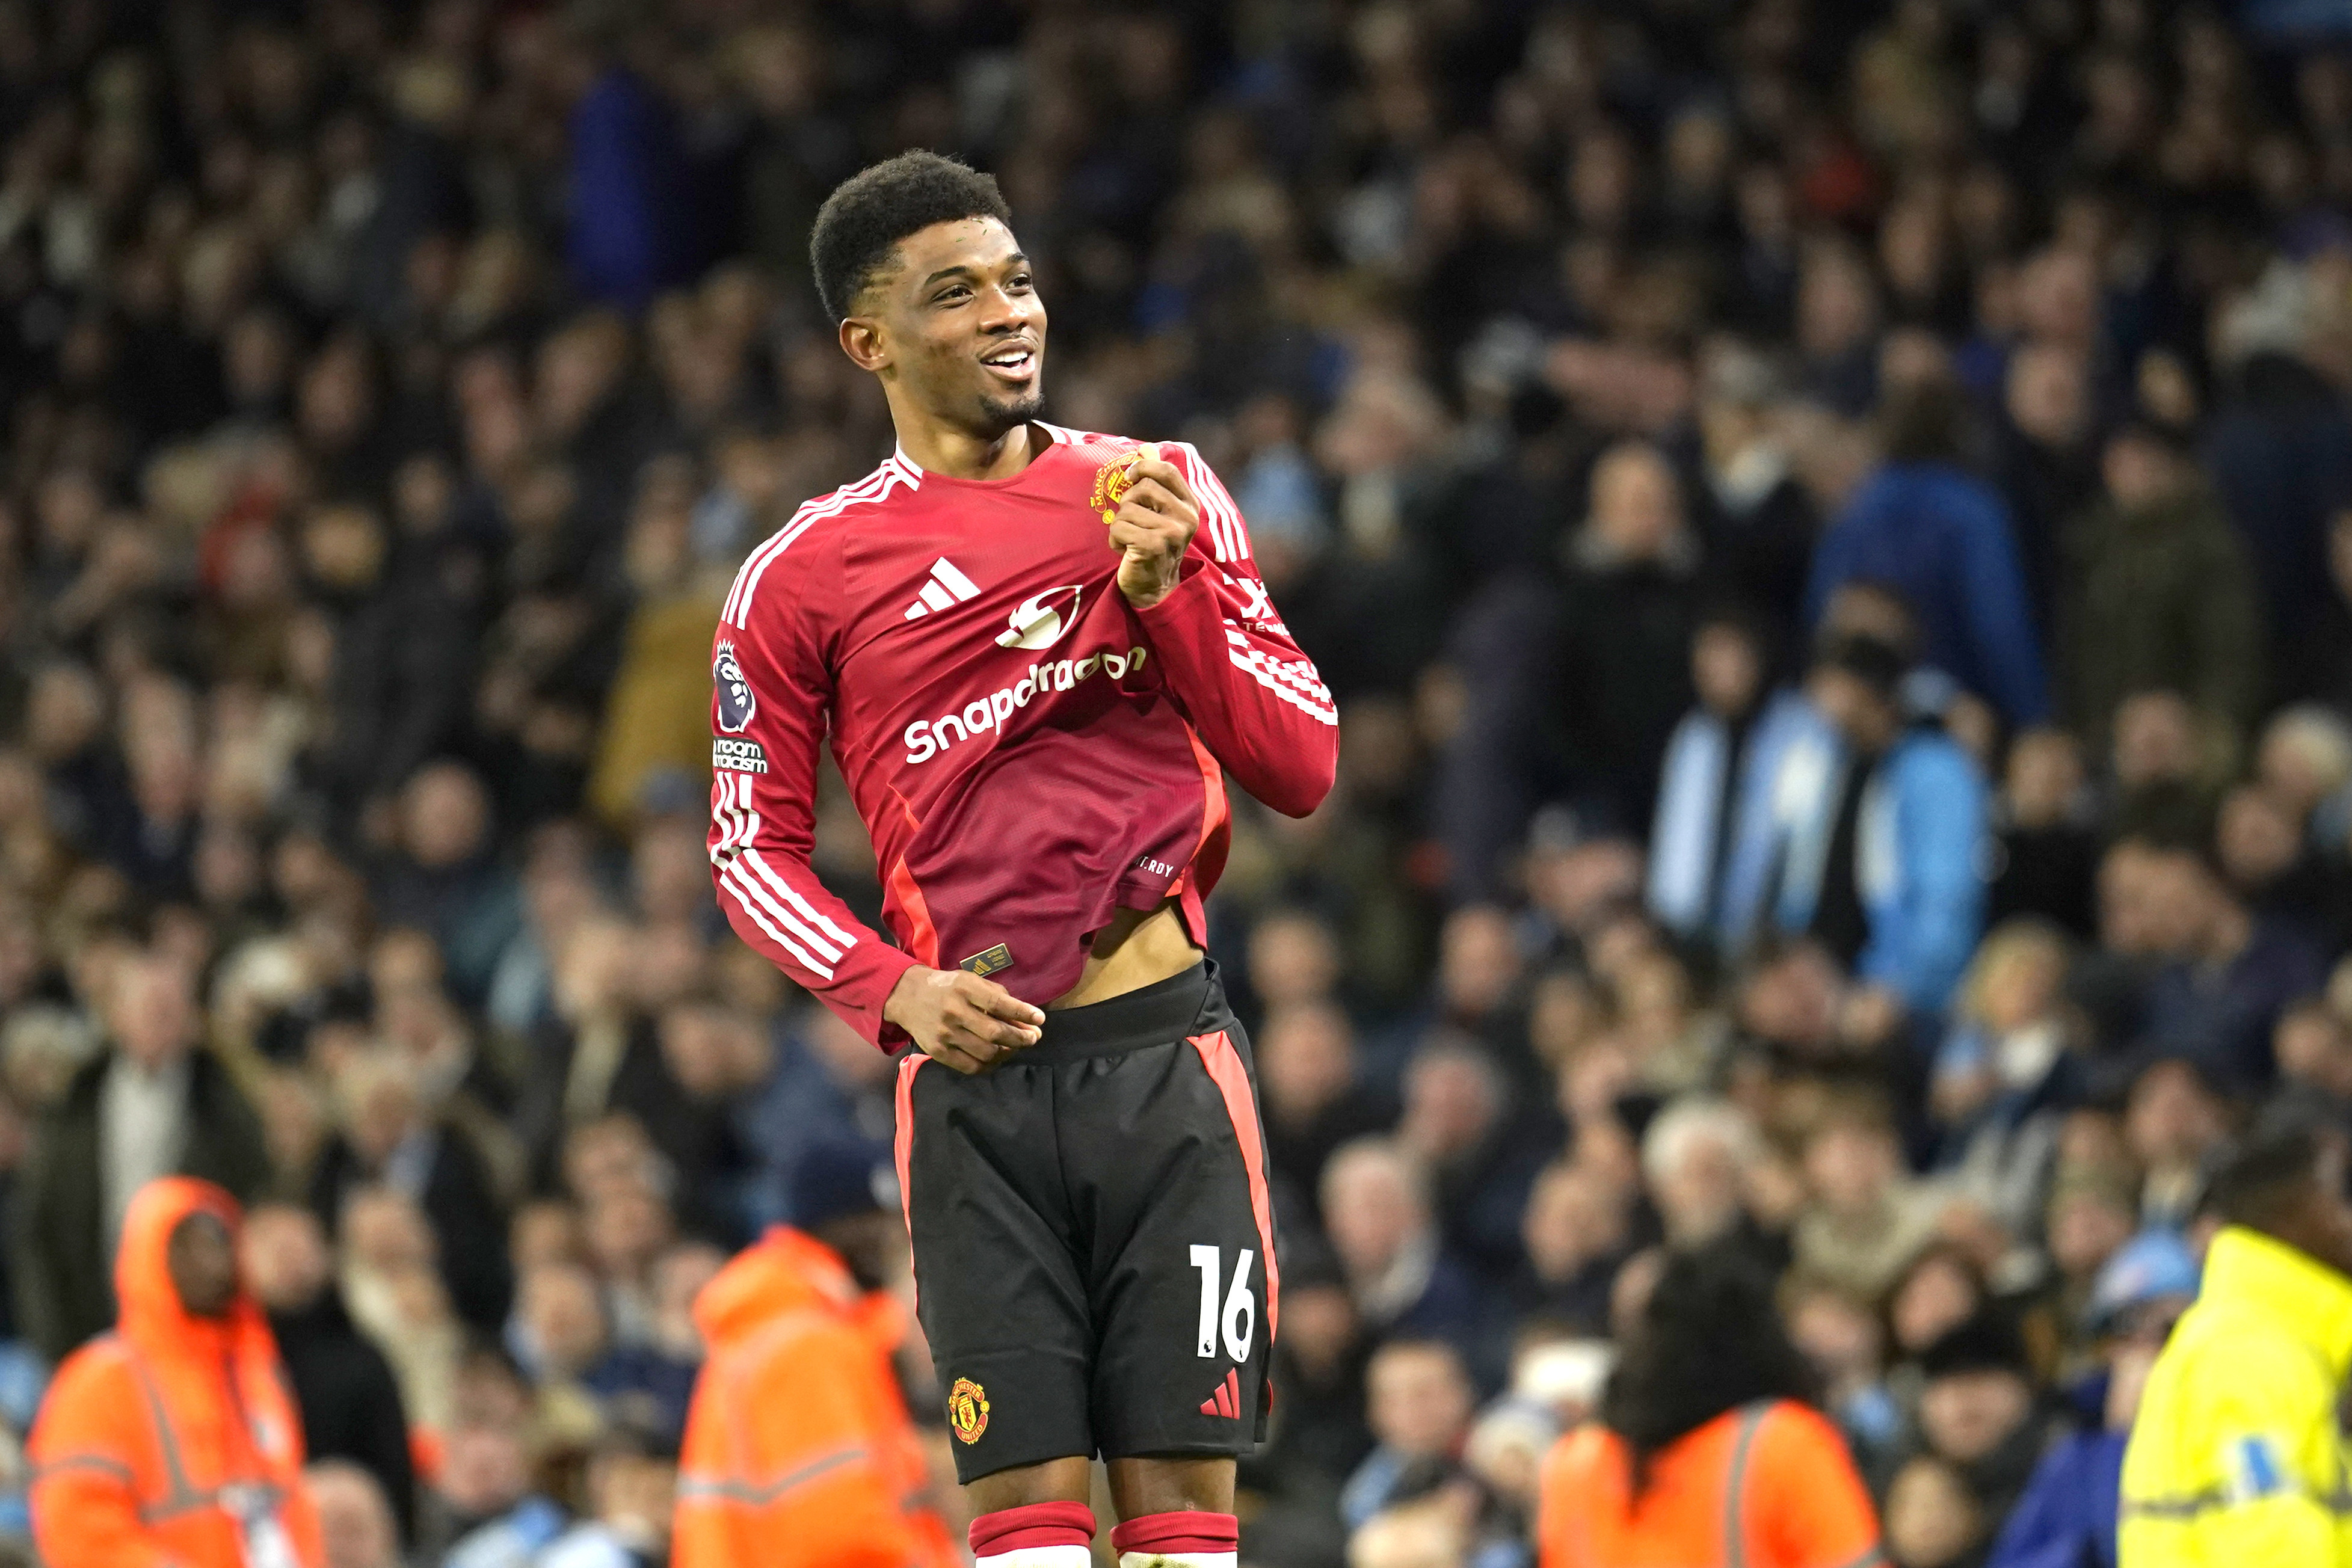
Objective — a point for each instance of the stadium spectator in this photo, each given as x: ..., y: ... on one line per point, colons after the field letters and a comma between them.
x: 343, y: 1387
x: 1708, y: 1447
x: 2158, y: 591
x: 174, y: 1439
x: 1419, y: 1406
x: 356, y: 1525
x: 154, y: 1103
x: 801, y: 1383
x: 2243, y: 1388
x: 1377, y: 1205
x: 1925, y: 527
x: 1883, y: 870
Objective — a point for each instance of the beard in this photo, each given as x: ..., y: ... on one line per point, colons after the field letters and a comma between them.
x: 1000, y: 414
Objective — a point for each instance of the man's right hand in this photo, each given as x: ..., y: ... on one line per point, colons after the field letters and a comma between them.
x: 955, y: 1017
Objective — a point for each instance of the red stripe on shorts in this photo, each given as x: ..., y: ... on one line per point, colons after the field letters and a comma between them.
x: 1225, y: 1071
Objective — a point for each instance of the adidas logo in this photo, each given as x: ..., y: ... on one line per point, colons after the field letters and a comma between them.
x: 1227, y: 1400
x: 947, y: 588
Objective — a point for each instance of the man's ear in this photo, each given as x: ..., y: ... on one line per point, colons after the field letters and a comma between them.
x: 862, y: 339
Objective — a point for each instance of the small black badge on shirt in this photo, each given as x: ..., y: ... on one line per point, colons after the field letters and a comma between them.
x: 739, y: 756
x: 986, y: 964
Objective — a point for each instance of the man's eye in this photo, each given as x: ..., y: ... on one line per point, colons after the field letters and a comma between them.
x: 1021, y: 281
x: 953, y: 296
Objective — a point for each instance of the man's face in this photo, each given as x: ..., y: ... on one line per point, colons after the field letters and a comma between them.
x: 958, y: 325
x: 202, y: 1260
x: 1968, y: 1414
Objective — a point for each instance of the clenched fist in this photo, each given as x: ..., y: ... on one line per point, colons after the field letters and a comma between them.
x: 1156, y: 519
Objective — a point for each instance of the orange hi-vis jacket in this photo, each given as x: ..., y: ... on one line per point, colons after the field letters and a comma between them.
x: 172, y: 1442
x: 799, y: 1451
x: 1768, y: 1485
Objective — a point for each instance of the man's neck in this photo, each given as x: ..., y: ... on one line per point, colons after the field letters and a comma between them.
x: 938, y: 448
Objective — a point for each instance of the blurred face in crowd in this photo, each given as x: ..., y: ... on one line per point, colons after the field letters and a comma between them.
x: 445, y: 817
x: 1838, y: 1336
x: 202, y: 1259
x: 1726, y: 669
x: 2045, y: 775
x: 2313, y: 1048
x: 2172, y: 1117
x: 1305, y: 1060
x: 1932, y: 1519
x: 1936, y: 1294
x: 1863, y: 715
x: 1452, y: 1098
x: 2156, y: 740
x: 1573, y: 1218
x: 2139, y: 472
x: 2049, y: 394
x: 150, y: 1012
x: 1292, y: 958
x: 1637, y: 506
x: 1418, y: 1399
x: 1794, y: 999
x: 565, y: 1317
x: 2185, y: 899
x: 1849, y: 1166
x: 1478, y: 960
x: 1373, y: 1208
x: 354, y: 1520
x: 285, y: 1255
x: 2258, y: 836
x: 953, y: 326
x: 1967, y: 1415
x: 2315, y: 1218
x: 484, y: 1470
x: 1699, y: 1193
x: 2086, y: 1229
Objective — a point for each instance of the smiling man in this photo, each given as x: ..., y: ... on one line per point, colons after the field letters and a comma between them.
x: 1036, y: 654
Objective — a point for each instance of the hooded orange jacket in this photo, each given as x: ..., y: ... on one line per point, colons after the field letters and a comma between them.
x: 156, y: 1442
x: 799, y: 1452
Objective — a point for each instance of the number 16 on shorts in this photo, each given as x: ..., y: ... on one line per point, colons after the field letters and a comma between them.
x: 1239, y: 1319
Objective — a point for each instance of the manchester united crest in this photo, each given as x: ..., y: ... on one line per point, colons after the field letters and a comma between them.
x: 968, y: 1410
x: 1113, y: 480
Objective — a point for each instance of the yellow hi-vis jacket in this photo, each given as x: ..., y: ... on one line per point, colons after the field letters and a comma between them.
x: 2237, y: 1459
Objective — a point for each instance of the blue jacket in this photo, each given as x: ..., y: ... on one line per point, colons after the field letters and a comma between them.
x: 2067, y: 1516
x: 1942, y: 539
x: 1698, y: 884
x: 1919, y: 857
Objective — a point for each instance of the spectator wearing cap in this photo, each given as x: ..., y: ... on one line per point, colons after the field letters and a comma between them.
x: 2067, y: 1516
x: 1979, y: 1410
x: 799, y: 1451
x: 2158, y: 591
x: 2239, y: 1454
x: 1924, y: 527
x: 1886, y: 871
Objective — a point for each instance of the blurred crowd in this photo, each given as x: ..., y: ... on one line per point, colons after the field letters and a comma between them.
x: 1830, y: 524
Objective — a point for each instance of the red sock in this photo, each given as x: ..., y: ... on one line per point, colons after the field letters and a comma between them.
x: 1031, y: 1527
x: 1173, y: 1533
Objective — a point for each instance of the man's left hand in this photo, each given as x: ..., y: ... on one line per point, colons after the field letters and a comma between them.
x: 1156, y: 520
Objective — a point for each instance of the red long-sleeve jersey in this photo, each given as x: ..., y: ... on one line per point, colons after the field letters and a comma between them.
x: 1030, y: 753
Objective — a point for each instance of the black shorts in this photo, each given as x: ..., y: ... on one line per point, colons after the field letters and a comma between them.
x: 1092, y: 1234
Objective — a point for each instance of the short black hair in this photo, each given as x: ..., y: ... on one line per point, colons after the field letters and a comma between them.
x: 869, y: 213
x: 2262, y: 1179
